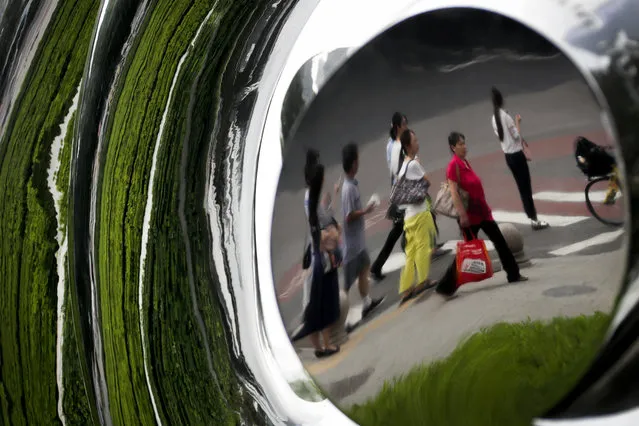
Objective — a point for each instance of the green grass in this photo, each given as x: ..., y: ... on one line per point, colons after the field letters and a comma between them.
x: 28, y: 391
x: 503, y: 375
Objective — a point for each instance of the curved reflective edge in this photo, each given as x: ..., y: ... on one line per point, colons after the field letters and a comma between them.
x: 629, y: 417
x: 116, y: 30
x: 590, y: 38
x: 272, y: 361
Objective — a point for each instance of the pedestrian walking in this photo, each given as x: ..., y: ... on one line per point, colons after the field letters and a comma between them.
x: 322, y: 309
x: 512, y: 144
x: 325, y: 213
x: 399, y: 123
x: 356, y: 258
x: 477, y: 216
x: 419, y: 227
x: 395, y: 159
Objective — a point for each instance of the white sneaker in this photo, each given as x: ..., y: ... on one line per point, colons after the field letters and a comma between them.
x: 539, y: 224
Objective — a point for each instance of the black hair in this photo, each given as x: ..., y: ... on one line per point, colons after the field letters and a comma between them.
x: 405, y: 139
x: 498, y: 103
x: 349, y: 156
x: 312, y: 159
x: 316, y: 181
x: 396, y: 123
x: 453, y: 138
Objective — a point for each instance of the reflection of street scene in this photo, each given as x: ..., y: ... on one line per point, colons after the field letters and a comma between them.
x: 529, y: 231
x: 561, y: 201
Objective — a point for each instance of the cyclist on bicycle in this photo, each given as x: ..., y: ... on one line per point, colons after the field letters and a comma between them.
x: 594, y: 161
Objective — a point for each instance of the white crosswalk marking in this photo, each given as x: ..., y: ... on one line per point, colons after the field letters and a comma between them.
x: 572, y: 197
x: 501, y: 216
x: 604, y: 238
x: 395, y: 262
x: 577, y: 197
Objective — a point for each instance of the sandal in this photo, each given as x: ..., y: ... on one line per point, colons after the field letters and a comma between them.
x: 406, y: 298
x: 426, y: 286
x: 326, y: 352
x: 333, y: 350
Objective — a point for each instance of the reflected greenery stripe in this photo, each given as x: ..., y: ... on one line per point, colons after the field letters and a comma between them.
x: 188, y: 391
x: 27, y: 229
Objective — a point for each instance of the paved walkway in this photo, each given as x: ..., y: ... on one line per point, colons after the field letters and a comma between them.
x: 429, y: 327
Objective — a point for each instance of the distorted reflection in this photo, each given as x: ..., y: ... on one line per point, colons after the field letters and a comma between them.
x: 448, y: 228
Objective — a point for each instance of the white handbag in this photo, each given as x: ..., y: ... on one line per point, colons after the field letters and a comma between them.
x: 444, y: 201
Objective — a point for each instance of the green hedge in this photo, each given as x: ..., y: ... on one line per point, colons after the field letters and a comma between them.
x: 503, y: 375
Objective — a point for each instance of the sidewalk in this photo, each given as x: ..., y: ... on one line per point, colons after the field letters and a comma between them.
x: 429, y: 327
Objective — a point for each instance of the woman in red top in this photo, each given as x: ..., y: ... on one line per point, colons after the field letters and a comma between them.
x: 477, y: 217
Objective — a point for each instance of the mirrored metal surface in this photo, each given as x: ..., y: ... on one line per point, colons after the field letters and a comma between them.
x: 548, y: 218
x: 350, y: 107
x: 141, y: 146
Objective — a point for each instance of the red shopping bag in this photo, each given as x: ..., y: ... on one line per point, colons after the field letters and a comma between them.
x: 473, y: 262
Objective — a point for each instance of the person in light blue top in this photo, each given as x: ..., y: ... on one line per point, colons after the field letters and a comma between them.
x: 356, y: 259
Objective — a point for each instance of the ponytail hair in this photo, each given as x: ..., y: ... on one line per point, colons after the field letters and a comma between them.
x: 396, y: 123
x: 498, y: 103
x: 316, y: 181
x: 312, y: 159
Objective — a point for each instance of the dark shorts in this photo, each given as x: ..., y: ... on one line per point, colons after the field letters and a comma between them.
x: 354, y: 267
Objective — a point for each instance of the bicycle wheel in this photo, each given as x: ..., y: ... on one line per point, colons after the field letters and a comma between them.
x: 611, y: 214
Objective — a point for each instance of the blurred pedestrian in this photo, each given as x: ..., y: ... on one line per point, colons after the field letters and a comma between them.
x: 356, y: 258
x: 478, y: 216
x: 394, y: 154
x: 419, y: 227
x: 509, y: 133
x: 322, y: 309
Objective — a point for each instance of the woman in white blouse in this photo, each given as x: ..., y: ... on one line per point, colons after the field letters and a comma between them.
x: 509, y: 133
x: 419, y: 227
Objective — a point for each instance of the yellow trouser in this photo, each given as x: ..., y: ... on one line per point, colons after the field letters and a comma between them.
x: 420, y: 240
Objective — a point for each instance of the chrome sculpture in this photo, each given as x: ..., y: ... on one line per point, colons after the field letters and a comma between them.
x: 175, y: 118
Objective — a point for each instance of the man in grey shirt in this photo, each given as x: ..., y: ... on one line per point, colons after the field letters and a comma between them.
x: 356, y: 259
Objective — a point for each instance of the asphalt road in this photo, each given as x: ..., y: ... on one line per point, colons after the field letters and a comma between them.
x: 357, y: 104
